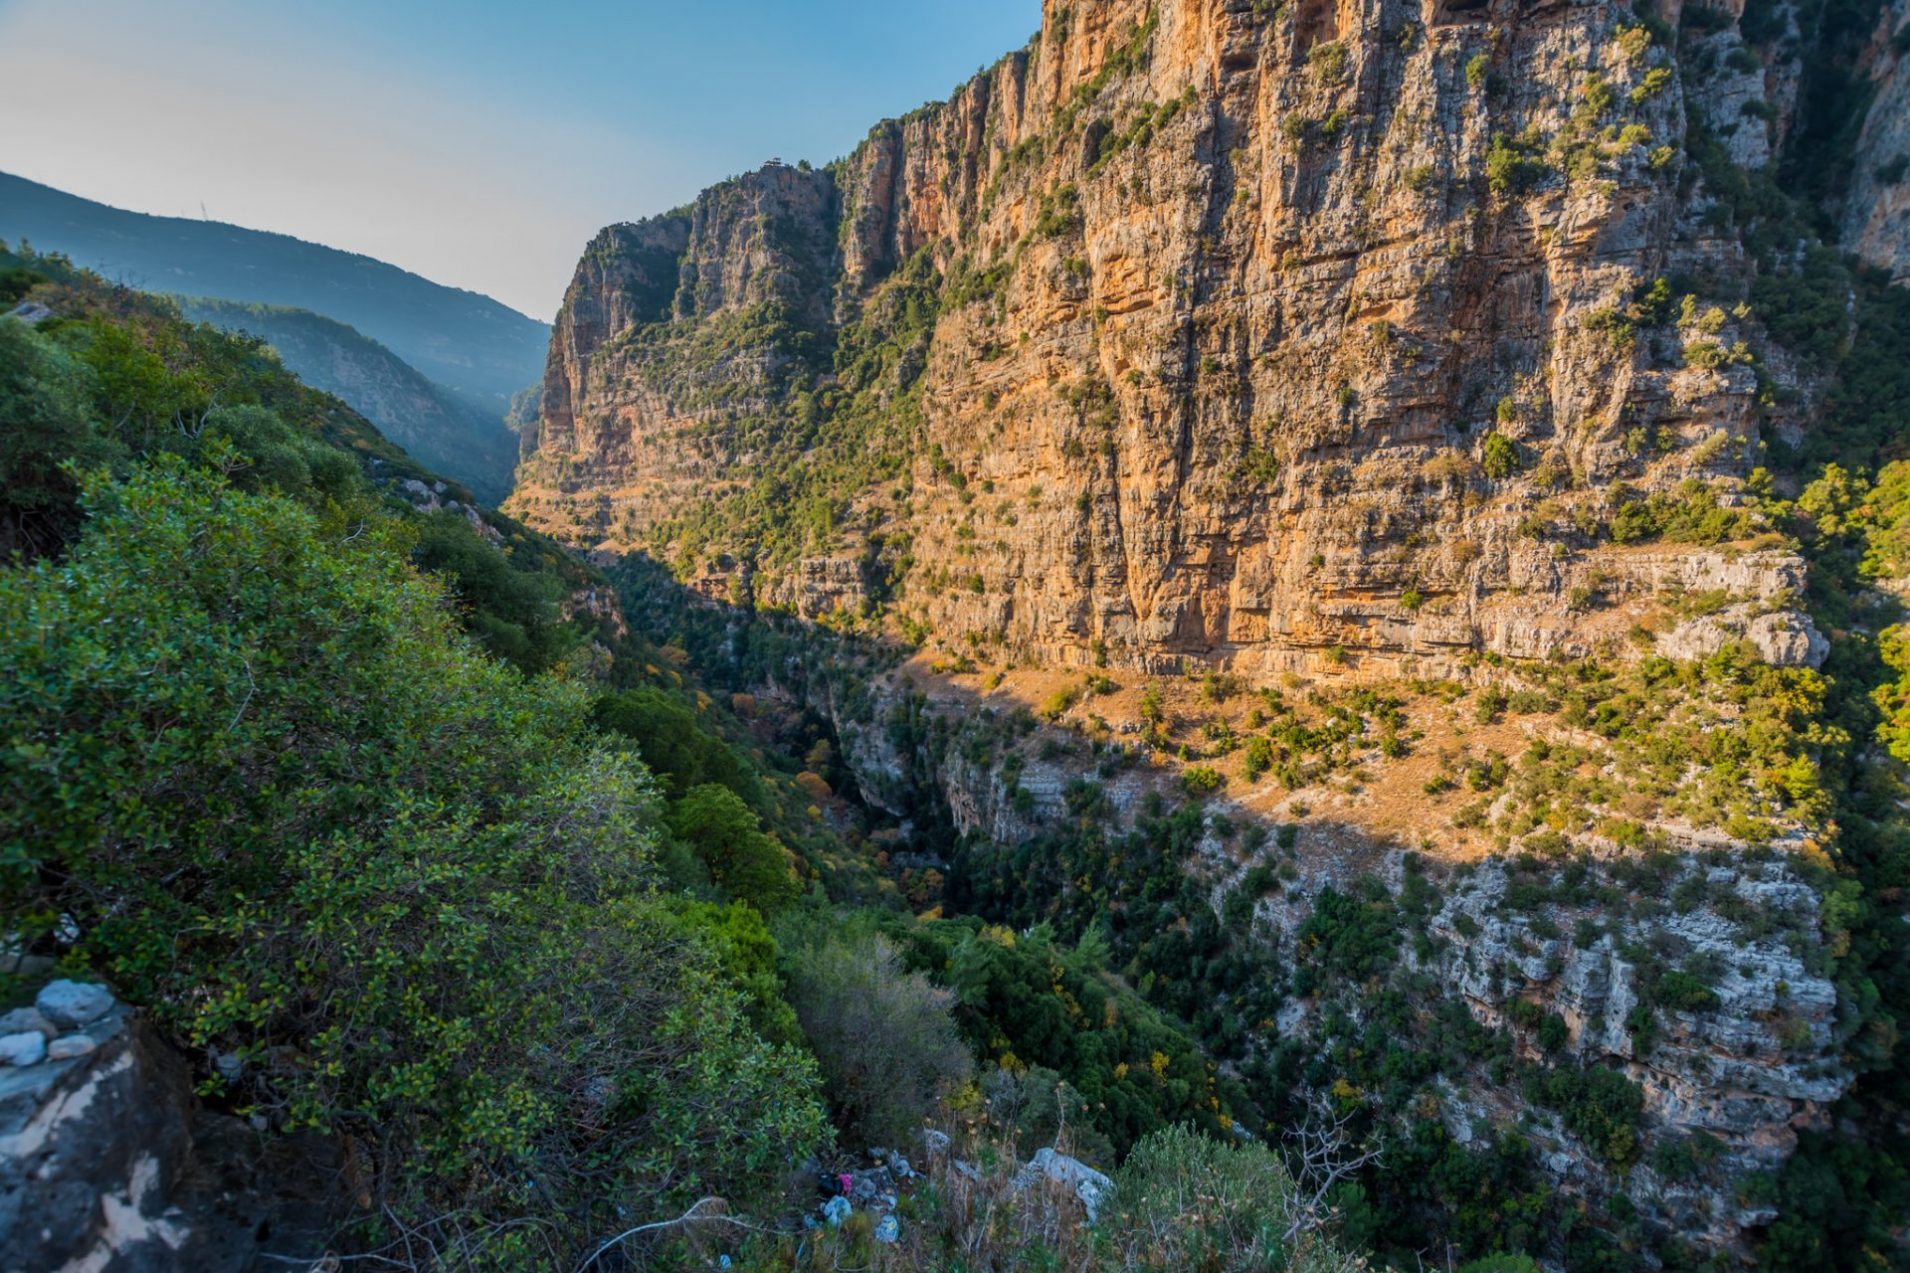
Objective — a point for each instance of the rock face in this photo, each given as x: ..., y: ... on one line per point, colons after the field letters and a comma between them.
x: 1744, y: 1065
x: 107, y: 1162
x: 1200, y: 330
x: 1877, y: 211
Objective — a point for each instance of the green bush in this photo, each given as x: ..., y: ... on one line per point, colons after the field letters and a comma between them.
x: 46, y: 408
x: 745, y: 862
x: 1511, y: 167
x: 1500, y: 459
x: 255, y: 777
x: 1201, y: 780
x: 1186, y: 1201
x: 679, y: 748
x: 884, y: 1037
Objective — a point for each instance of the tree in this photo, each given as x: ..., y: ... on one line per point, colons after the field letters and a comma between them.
x: 679, y: 748
x: 46, y: 401
x: 744, y: 862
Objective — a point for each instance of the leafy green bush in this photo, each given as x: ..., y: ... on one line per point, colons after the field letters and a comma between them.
x: 679, y: 748
x: 46, y: 405
x: 1500, y: 458
x: 1602, y: 1107
x: 1187, y: 1201
x: 1512, y: 168
x: 1203, y: 780
x: 254, y: 775
x: 1350, y: 936
x: 745, y: 862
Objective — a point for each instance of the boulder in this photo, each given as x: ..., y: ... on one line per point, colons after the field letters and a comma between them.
x: 1089, y: 1185
x: 28, y: 1047
x: 71, y: 1004
x: 21, y: 1019
x: 108, y: 1162
x: 70, y: 1047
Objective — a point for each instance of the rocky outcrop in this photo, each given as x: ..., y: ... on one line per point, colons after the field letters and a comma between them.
x: 107, y: 1161
x: 1252, y: 332
x: 1744, y: 1061
x: 1877, y: 210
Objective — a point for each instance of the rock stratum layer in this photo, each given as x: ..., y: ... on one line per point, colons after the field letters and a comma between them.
x: 1228, y: 331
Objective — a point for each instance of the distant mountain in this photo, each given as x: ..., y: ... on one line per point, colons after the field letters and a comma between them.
x: 464, y: 341
x: 462, y: 438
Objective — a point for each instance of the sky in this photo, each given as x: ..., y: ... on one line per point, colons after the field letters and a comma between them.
x: 480, y: 143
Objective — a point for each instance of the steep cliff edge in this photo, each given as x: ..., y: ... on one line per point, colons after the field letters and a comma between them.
x: 1876, y: 222
x: 1226, y: 331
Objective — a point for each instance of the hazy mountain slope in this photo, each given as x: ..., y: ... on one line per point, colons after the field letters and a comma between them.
x: 455, y: 436
x: 460, y: 339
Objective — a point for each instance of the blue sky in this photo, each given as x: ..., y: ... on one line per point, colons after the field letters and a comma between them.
x: 477, y: 142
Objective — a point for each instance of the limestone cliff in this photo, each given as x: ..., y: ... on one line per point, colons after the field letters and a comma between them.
x: 1877, y: 213
x: 1229, y: 331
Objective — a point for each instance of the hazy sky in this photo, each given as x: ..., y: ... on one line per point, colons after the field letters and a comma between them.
x: 478, y: 142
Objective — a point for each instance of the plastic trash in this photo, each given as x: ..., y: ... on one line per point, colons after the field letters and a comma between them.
x: 836, y: 1210
x: 889, y: 1230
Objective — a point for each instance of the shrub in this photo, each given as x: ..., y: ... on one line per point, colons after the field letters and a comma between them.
x: 46, y: 400
x: 1328, y: 61
x: 1203, y: 781
x: 1059, y: 214
x: 1500, y: 458
x: 1511, y: 169
x: 1600, y: 1106
x: 1185, y: 1201
x: 284, y: 805
x: 883, y: 1037
x: 1060, y: 703
x: 674, y: 743
x: 1259, y: 758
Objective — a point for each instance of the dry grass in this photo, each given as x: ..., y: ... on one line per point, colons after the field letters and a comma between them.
x: 1383, y: 798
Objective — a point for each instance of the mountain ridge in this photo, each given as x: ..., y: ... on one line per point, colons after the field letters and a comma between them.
x: 462, y: 339
x: 460, y: 437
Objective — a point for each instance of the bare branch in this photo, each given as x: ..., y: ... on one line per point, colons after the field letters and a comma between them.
x: 1329, y: 1153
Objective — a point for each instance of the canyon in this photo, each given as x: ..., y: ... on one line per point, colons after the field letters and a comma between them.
x: 1308, y: 349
